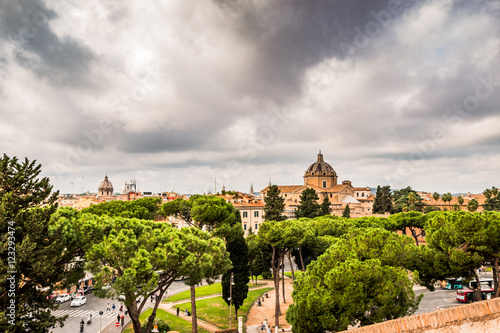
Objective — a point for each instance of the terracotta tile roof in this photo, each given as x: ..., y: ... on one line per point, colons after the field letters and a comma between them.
x: 286, y: 188
x: 259, y: 204
x: 361, y: 189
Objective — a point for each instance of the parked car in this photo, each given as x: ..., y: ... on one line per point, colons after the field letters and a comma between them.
x: 121, y: 298
x: 63, y: 298
x: 79, y: 301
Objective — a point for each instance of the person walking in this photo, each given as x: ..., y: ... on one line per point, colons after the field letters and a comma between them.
x: 177, y: 311
x: 118, y: 318
x: 108, y: 309
x: 123, y: 320
x: 121, y: 307
x: 113, y: 307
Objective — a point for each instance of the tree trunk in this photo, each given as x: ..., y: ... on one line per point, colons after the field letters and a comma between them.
x: 302, y: 260
x: 477, y: 290
x: 152, y: 317
x: 414, y: 234
x: 194, y: 321
x: 277, y: 311
x: 134, y: 316
x: 290, y: 261
x: 283, y: 274
x: 496, y: 277
x: 235, y: 313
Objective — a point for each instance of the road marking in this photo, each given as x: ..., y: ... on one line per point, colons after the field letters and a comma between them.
x: 83, y: 313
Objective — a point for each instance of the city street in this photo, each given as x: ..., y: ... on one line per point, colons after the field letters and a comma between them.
x: 93, y: 306
x: 440, y: 298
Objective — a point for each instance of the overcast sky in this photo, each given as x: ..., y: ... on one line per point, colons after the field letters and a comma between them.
x: 176, y: 94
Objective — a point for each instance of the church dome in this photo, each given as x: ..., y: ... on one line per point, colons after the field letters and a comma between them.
x: 320, y: 167
x: 105, y: 187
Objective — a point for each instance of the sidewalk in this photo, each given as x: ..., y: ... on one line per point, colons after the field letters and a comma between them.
x: 258, y: 314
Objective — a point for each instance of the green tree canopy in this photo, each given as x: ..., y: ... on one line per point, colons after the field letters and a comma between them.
x: 492, y: 201
x: 146, y: 257
x: 347, y: 212
x: 144, y: 208
x: 412, y: 220
x: 347, y: 280
x: 466, y: 240
x: 274, y: 205
x: 383, y: 200
x: 37, y: 252
x: 407, y: 199
x: 447, y: 197
x: 472, y: 205
x: 325, y: 208
x: 240, y: 271
x: 308, y: 206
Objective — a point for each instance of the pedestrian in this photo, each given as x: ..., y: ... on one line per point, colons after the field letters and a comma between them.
x: 186, y: 312
x: 118, y: 318
x: 177, y: 311
x: 168, y: 292
x: 113, y: 307
x: 126, y: 311
x: 108, y: 309
x: 121, y: 307
x: 123, y: 320
x: 151, y: 298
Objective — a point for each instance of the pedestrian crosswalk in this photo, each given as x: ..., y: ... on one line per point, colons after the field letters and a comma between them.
x: 85, y: 313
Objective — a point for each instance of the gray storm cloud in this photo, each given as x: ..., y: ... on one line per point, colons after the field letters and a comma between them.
x: 155, y: 89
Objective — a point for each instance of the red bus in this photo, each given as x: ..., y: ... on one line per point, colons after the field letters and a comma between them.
x: 469, y: 296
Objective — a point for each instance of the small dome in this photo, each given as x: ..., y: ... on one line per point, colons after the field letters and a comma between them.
x: 106, y: 185
x: 320, y: 167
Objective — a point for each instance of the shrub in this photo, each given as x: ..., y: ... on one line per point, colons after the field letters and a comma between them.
x: 162, y: 325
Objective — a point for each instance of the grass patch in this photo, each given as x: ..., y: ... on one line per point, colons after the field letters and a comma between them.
x: 176, y: 323
x: 216, y: 311
x: 202, y: 291
x: 212, y: 289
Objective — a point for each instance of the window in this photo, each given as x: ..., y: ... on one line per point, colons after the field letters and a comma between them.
x: 256, y: 226
x: 357, y: 194
x: 245, y: 214
x: 363, y: 194
x: 331, y: 195
x: 324, y: 183
x: 285, y: 194
x: 244, y: 227
x: 256, y: 214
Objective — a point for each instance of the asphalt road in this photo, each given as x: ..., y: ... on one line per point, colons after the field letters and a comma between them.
x: 440, y: 298
x: 93, y: 306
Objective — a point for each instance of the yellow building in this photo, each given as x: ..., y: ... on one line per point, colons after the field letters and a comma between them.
x: 321, y: 177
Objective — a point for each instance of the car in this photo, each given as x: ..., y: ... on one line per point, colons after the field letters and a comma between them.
x: 76, y: 294
x: 63, y: 298
x: 79, y: 301
x: 121, y: 297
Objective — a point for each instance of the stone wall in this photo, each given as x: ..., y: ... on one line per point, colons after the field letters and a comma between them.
x: 480, y: 317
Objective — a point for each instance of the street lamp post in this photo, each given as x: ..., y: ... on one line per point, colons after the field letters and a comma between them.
x: 230, y: 298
